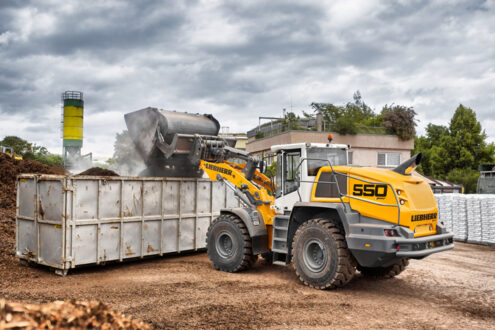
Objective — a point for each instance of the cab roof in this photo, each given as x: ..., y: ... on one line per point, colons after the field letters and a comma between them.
x: 308, y: 145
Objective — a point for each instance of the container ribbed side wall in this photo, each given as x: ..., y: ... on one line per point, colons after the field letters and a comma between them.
x: 68, y: 221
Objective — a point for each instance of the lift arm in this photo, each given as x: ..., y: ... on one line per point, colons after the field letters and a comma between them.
x: 257, y: 196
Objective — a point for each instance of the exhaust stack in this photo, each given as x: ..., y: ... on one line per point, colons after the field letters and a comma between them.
x: 409, y: 165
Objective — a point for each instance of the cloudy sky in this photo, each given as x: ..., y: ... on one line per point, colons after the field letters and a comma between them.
x: 239, y: 60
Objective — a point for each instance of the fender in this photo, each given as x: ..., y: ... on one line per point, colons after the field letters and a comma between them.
x: 303, y: 211
x: 255, y: 225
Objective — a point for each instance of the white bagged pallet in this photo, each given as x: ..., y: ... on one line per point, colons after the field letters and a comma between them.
x: 469, y: 217
x: 445, y: 210
x: 473, y: 217
x: 459, y: 217
x: 488, y: 219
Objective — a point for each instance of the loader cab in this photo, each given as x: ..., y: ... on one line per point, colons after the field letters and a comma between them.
x: 8, y: 151
x: 297, y: 166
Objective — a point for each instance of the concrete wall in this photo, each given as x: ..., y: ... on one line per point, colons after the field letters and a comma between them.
x: 365, y: 147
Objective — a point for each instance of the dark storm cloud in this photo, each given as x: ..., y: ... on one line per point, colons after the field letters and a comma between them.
x: 98, y: 30
x: 240, y: 60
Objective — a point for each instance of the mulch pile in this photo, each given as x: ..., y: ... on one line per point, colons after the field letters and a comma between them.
x: 64, y: 314
x: 10, y: 168
x: 99, y: 172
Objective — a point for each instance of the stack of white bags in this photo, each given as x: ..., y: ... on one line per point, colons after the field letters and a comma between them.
x: 488, y: 220
x: 470, y: 217
x: 445, y: 210
x: 473, y: 213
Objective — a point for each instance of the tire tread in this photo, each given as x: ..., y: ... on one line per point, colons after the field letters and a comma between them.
x: 346, y: 264
x: 248, y: 259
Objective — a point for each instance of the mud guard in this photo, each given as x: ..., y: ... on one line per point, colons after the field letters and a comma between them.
x: 255, y: 225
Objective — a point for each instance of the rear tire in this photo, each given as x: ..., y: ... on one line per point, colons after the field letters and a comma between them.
x: 229, y: 245
x: 320, y: 255
x: 385, y: 272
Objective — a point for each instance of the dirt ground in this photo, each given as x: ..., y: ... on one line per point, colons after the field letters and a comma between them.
x: 454, y: 289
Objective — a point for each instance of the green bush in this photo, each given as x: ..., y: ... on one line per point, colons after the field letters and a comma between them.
x: 345, y: 125
x: 465, y: 176
x: 50, y: 160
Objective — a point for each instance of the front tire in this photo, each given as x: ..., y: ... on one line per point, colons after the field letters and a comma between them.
x: 320, y: 255
x: 229, y: 245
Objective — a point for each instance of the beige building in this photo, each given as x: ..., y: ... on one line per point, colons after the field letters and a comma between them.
x: 366, y: 149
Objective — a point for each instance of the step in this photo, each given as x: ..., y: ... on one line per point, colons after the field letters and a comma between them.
x: 279, y: 240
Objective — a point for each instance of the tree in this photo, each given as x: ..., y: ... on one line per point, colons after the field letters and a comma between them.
x: 466, y: 176
x: 466, y: 145
x: 425, y: 144
x: 51, y: 160
x: 290, y: 121
x: 453, y: 153
x: 399, y: 120
x: 358, y: 109
x: 345, y: 119
x: 20, y: 146
x: 31, y: 151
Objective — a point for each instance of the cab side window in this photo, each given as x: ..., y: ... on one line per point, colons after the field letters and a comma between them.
x: 291, y: 177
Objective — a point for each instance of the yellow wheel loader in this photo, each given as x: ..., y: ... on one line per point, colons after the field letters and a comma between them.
x: 324, y: 217
x: 10, y: 152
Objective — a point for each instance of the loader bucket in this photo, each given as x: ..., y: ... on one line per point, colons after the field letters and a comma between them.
x: 168, y: 140
x: 142, y: 125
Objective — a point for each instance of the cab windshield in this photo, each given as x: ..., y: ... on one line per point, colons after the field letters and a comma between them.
x: 319, y: 157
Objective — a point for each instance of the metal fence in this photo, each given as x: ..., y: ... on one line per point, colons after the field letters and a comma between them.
x: 303, y: 124
x: 470, y: 217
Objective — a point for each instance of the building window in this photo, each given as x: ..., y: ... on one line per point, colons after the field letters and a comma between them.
x: 388, y: 158
x: 350, y: 157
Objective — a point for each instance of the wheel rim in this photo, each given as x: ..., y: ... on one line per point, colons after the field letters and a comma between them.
x: 315, y: 255
x: 225, y: 244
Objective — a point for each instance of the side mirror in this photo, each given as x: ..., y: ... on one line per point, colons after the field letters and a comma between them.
x: 262, y: 166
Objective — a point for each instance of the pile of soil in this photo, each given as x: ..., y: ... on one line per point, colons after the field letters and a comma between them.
x: 99, y: 172
x: 64, y: 314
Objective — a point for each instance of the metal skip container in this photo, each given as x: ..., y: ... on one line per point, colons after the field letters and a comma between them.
x: 68, y: 221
